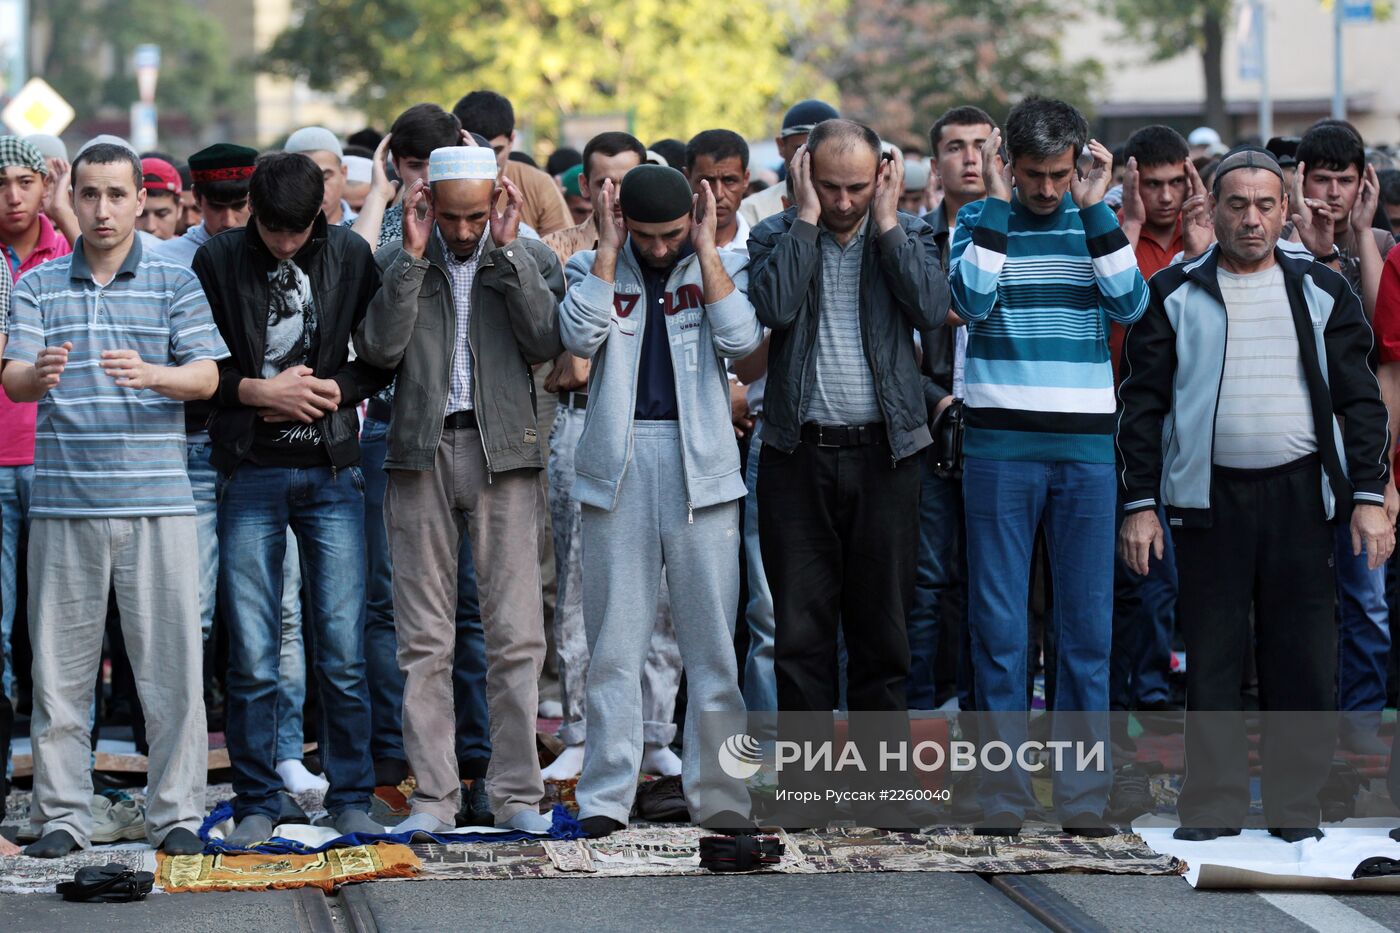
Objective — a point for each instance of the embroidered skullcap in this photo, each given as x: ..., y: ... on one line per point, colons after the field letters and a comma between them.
x: 476, y: 163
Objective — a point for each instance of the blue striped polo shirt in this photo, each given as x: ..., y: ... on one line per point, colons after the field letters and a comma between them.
x: 102, y: 450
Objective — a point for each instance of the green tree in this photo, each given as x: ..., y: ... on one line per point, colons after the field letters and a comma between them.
x: 677, y: 66
x: 86, y: 55
x: 900, y: 63
x: 1170, y: 27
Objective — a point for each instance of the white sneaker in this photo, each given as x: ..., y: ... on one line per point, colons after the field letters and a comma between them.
x: 116, y: 820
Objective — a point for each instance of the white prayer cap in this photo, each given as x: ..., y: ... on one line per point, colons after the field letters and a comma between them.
x: 462, y: 162
x: 106, y: 139
x: 51, y: 146
x: 314, y: 139
x: 360, y: 169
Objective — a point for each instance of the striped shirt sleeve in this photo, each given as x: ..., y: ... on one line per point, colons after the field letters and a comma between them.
x: 1121, y: 284
x: 193, y: 335
x: 976, y: 258
x: 26, y: 324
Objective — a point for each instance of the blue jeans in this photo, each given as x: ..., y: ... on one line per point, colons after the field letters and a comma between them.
x: 760, y: 687
x: 204, y: 481
x: 291, y: 660
x: 1143, y: 615
x: 469, y: 670
x: 1363, y: 630
x: 940, y: 574
x: 381, y: 643
x: 326, y: 511
x: 15, y: 484
x: 1005, y: 502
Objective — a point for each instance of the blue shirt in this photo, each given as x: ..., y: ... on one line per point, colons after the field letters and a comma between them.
x: 100, y: 449
x: 656, y: 376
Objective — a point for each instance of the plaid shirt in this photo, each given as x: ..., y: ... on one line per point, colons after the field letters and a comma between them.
x: 462, y: 272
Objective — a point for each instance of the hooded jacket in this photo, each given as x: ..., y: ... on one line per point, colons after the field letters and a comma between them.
x: 605, y: 322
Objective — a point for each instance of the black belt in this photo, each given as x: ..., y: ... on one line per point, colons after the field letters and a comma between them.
x: 573, y: 399
x: 379, y: 410
x: 460, y: 420
x: 842, y: 435
x: 739, y: 853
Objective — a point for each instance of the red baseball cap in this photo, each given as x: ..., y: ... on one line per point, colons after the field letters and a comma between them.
x: 160, y: 175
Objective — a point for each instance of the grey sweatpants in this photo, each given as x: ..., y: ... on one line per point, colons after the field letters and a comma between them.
x: 624, y: 552
x: 661, y: 674
x: 153, y: 566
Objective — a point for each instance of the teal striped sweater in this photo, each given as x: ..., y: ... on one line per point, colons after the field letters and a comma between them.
x: 1038, y: 294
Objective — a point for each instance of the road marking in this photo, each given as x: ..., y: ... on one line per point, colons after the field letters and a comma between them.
x: 1323, y: 913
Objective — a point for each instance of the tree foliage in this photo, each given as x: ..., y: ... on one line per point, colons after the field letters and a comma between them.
x: 1171, y: 27
x: 87, y: 46
x: 677, y: 66
x: 900, y: 63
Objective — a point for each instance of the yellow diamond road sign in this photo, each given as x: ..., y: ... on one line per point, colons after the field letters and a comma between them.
x: 37, y: 108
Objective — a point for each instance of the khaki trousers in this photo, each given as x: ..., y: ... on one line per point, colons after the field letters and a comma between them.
x: 426, y: 514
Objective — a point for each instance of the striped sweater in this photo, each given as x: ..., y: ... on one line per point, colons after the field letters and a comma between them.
x: 1038, y: 294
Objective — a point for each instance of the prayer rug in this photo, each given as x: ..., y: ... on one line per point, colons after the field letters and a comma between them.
x: 326, y: 870
x: 22, y: 875
x: 674, y: 850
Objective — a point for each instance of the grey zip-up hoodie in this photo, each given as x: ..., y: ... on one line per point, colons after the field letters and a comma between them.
x: 605, y: 321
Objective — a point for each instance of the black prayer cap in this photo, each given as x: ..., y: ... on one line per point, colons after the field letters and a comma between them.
x: 654, y: 194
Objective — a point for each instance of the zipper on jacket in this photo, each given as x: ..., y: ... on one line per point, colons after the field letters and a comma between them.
x: 675, y: 384
x: 476, y: 376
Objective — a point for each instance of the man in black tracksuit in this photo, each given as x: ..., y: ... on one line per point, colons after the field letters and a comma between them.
x: 287, y: 292
x: 1250, y: 410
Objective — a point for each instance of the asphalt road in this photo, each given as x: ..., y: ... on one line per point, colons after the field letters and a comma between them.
x: 812, y: 904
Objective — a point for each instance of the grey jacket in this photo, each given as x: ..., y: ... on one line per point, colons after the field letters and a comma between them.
x: 903, y: 288
x: 411, y: 327
x: 606, y: 321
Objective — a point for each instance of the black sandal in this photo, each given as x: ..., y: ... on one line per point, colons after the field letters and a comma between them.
x: 107, y: 884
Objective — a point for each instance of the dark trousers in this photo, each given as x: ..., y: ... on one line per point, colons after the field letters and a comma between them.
x: 840, y: 539
x: 1269, y: 547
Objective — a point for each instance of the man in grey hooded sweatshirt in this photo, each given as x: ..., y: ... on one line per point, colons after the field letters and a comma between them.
x: 658, y: 308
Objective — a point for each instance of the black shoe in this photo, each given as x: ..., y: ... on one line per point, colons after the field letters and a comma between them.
x: 729, y: 823
x: 53, y: 845
x: 180, y: 841
x: 999, y: 824
x: 476, y: 805
x: 596, y: 827
x: 289, y: 811
x: 1131, y: 795
x: 1296, y: 834
x: 1088, y: 826
x: 390, y: 772
x: 1202, y: 833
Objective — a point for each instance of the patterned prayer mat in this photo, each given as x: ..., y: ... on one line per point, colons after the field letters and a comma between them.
x: 327, y: 870
x: 674, y: 850
x: 21, y: 875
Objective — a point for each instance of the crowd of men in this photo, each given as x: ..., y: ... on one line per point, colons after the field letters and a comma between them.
x: 456, y: 423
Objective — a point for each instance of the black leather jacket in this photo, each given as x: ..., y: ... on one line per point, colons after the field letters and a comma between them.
x: 903, y: 288
x: 233, y: 267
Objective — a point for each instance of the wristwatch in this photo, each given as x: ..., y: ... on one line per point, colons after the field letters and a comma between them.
x: 1333, y: 256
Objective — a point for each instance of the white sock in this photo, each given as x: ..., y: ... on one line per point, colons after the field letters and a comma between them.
x: 527, y: 820
x: 422, y: 822
x: 660, y: 760
x: 297, y: 780
x: 566, y: 766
